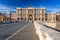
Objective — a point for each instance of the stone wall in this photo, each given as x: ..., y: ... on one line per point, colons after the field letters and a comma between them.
x: 55, y: 25
x: 58, y: 25
x: 50, y: 24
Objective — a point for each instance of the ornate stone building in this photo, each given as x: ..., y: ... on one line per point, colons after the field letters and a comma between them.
x: 2, y: 17
x: 11, y: 16
x: 33, y: 14
x: 51, y: 17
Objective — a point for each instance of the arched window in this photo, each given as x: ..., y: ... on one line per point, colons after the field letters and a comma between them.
x: 30, y: 15
x: 39, y: 18
x: 42, y: 11
x: 25, y: 18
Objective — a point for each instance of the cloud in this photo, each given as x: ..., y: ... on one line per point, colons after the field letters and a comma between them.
x: 54, y: 10
x: 4, y: 8
x: 57, y: 10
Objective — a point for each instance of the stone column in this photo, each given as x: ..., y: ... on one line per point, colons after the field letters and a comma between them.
x: 41, y: 17
x: 44, y: 15
x: 53, y: 16
x: 26, y: 14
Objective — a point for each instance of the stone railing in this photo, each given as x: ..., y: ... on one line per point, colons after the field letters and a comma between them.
x: 41, y: 32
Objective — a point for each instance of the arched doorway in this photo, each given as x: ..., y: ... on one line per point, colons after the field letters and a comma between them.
x: 30, y: 18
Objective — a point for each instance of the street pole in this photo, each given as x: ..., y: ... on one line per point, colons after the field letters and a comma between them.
x: 10, y: 18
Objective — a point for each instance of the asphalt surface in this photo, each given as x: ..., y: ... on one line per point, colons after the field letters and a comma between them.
x: 28, y: 33
x: 7, y: 30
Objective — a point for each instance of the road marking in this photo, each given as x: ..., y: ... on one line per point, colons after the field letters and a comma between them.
x: 17, y: 32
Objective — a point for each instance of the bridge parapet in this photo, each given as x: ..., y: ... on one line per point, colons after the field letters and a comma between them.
x: 46, y: 33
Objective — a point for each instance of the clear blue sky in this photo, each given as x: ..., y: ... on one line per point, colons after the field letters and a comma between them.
x: 10, y: 5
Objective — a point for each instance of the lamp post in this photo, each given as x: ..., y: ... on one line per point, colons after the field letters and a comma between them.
x: 10, y: 18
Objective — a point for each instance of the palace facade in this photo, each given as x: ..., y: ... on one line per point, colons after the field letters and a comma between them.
x: 33, y: 14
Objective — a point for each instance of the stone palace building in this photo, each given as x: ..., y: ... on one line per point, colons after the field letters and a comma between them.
x: 32, y: 14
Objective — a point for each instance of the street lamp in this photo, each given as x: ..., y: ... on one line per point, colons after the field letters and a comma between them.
x: 10, y: 17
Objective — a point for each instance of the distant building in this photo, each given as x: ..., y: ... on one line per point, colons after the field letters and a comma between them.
x: 51, y: 17
x: 11, y: 15
x: 32, y: 14
x: 2, y: 17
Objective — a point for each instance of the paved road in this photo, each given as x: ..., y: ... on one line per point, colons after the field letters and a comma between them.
x: 28, y: 33
x: 7, y: 29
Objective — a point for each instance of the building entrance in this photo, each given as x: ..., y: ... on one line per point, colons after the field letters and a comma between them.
x: 30, y: 18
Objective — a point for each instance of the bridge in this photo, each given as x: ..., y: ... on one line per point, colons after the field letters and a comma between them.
x: 25, y: 30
